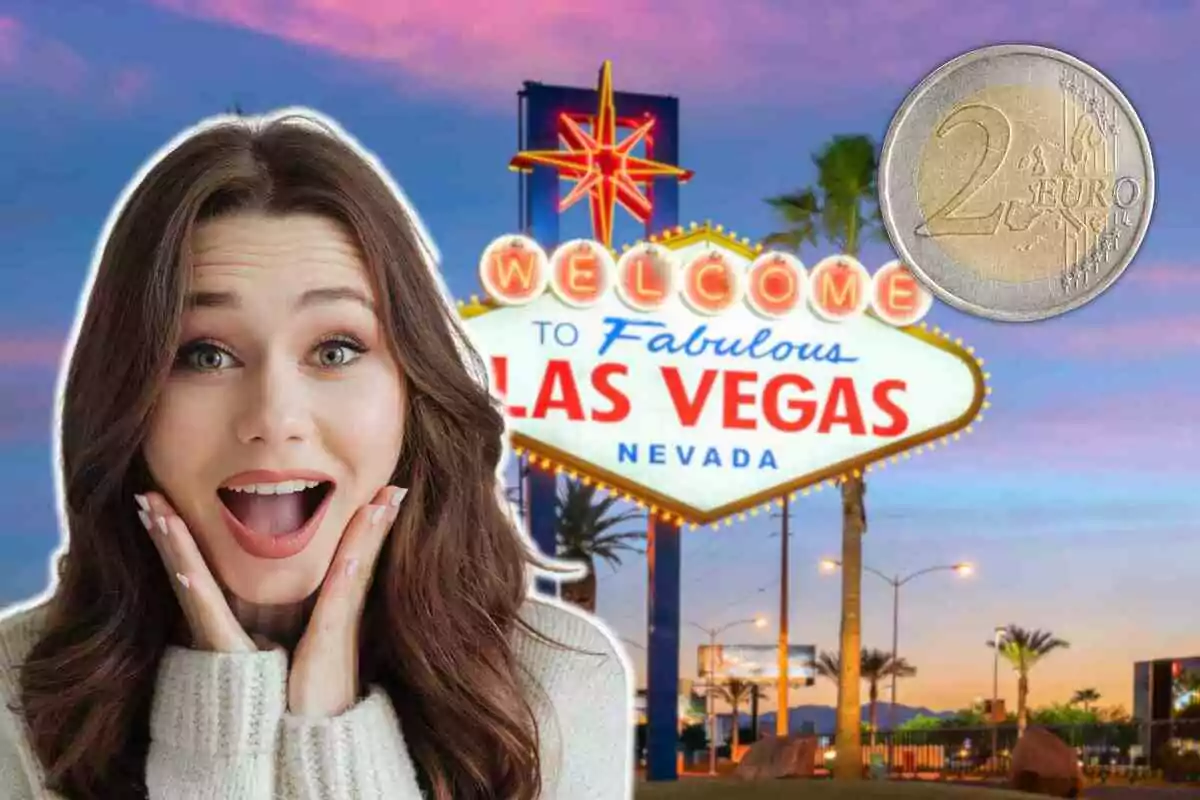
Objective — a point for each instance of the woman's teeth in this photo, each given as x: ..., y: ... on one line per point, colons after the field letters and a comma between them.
x: 283, y: 487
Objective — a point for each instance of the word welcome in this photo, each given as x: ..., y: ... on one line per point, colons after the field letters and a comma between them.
x: 516, y: 270
x: 787, y: 402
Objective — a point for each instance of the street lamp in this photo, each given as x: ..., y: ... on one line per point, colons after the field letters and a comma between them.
x: 962, y: 569
x: 713, y: 633
x: 996, y: 642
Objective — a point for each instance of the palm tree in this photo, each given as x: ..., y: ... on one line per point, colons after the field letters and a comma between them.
x: 842, y: 208
x: 584, y: 530
x: 1112, y: 714
x: 1023, y: 649
x: 1085, y: 698
x: 758, y: 691
x: 733, y: 692
x: 827, y: 665
x: 877, y: 666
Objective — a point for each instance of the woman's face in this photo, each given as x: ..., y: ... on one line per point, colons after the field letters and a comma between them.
x: 285, y: 410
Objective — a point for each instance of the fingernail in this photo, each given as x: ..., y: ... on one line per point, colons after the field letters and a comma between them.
x: 162, y: 525
x: 142, y: 501
x: 398, y: 497
x: 377, y: 514
x: 145, y: 518
x: 183, y: 579
x: 351, y: 566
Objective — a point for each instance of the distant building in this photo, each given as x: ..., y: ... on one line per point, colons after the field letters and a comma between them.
x: 1157, y: 697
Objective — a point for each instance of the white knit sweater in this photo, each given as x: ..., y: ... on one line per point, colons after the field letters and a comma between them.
x: 220, y: 728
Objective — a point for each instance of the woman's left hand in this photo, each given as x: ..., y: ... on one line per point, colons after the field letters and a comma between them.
x: 324, y: 672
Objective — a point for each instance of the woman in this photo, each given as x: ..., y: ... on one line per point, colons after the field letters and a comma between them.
x: 290, y: 571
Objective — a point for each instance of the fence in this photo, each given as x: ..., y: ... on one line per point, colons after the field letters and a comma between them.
x: 1131, y: 749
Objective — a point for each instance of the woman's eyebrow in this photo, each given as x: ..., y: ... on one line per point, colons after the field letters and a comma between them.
x: 311, y: 297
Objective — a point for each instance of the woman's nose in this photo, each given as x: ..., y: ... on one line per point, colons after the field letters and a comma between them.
x: 274, y: 409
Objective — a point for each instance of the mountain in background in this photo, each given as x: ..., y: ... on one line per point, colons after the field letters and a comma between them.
x: 823, y: 718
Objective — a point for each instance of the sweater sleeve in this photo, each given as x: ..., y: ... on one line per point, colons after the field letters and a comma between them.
x: 21, y: 773
x: 214, y: 725
x: 584, y: 708
x: 14, y: 774
x: 358, y: 754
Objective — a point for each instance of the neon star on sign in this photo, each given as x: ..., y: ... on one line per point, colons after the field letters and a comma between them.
x: 704, y: 378
x: 604, y: 169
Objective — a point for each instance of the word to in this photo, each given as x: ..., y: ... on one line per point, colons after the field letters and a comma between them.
x: 516, y: 270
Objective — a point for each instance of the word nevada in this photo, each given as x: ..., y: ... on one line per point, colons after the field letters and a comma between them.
x: 515, y: 270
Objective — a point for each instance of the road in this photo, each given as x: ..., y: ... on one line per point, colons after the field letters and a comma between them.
x: 1140, y: 793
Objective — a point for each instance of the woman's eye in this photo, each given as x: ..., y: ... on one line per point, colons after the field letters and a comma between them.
x: 338, y: 353
x: 204, y: 357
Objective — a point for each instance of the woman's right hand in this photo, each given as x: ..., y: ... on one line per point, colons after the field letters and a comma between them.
x: 212, y: 622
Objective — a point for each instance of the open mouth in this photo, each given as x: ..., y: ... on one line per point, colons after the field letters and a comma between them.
x: 275, y: 509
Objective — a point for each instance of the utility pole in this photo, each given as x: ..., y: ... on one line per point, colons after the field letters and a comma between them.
x: 997, y: 643
x: 784, y: 705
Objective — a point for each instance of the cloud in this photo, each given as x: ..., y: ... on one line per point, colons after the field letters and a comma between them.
x: 1154, y: 322
x: 129, y: 85
x: 38, y: 351
x: 43, y: 62
x: 28, y: 374
x: 26, y: 410
x: 39, y: 60
x: 1164, y: 277
x: 1140, y: 336
x: 1152, y: 337
x: 768, y: 51
x: 1084, y: 432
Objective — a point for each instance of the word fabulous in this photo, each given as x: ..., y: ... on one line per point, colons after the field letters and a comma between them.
x: 515, y: 270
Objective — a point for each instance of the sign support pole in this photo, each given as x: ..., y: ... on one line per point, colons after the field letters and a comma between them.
x: 781, y: 716
x: 662, y: 650
x: 543, y: 490
x: 541, y: 107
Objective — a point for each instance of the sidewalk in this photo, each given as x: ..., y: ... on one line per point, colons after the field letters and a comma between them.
x: 1141, y: 792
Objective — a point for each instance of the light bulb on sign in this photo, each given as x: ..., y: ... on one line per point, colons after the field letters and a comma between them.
x: 839, y: 288
x: 646, y: 276
x: 898, y: 297
x: 514, y: 270
x: 775, y: 284
x: 710, y: 283
x: 581, y: 272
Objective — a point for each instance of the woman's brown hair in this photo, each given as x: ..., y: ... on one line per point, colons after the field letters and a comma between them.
x: 446, y: 594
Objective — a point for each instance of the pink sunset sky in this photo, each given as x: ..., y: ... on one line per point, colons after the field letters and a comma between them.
x: 1076, y: 494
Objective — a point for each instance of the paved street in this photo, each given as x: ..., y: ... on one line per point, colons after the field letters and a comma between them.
x: 1139, y: 793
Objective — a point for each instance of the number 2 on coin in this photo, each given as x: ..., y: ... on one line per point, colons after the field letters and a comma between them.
x: 997, y: 134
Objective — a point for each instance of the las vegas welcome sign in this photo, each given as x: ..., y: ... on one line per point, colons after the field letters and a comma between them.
x: 703, y: 377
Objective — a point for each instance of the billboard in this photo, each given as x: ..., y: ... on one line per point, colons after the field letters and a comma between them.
x: 756, y: 662
x: 1185, y: 684
x: 702, y: 377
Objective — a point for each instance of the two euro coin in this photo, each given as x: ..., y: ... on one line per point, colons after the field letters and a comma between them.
x: 1016, y: 182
